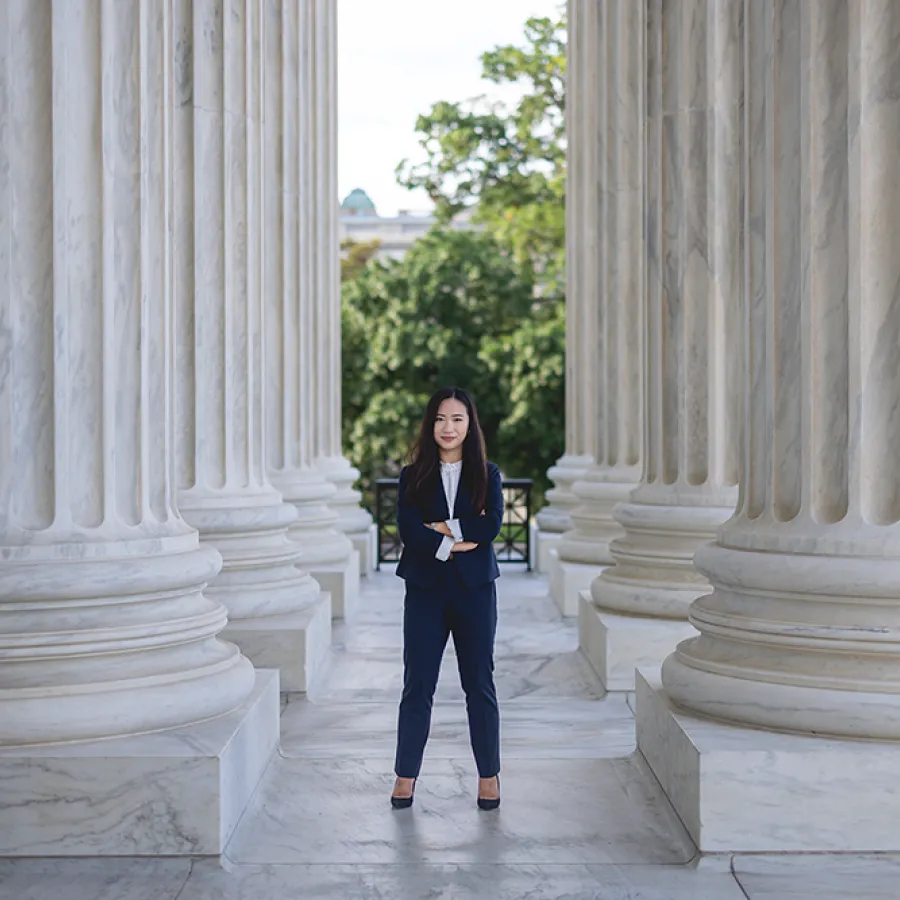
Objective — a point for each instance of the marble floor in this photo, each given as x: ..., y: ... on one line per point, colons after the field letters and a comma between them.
x: 581, y: 816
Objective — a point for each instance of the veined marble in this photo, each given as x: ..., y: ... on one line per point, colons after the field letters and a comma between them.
x: 581, y: 286
x: 556, y: 518
x: 220, y: 275
x: 802, y: 630
x: 612, y: 107
x: 692, y: 147
x: 105, y: 628
x: 751, y: 790
x: 173, y: 793
x: 297, y: 256
x: 320, y: 34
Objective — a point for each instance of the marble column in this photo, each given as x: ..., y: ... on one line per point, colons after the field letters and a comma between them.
x: 106, y: 630
x: 224, y: 490
x: 581, y: 282
x: 614, y: 42
x: 325, y: 258
x: 636, y: 611
x: 297, y: 361
x: 801, y: 633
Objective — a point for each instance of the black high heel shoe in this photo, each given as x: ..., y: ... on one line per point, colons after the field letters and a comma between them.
x: 488, y: 804
x: 404, y: 802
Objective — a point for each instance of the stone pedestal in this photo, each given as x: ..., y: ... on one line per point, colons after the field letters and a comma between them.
x: 174, y: 793
x: 296, y: 643
x: 604, y: 62
x: 746, y: 790
x: 615, y: 644
x: 567, y: 582
x: 341, y: 580
x: 543, y: 547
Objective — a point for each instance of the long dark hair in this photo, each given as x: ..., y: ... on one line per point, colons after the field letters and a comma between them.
x: 425, y: 459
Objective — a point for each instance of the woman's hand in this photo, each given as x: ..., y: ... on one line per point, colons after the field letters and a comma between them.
x: 464, y: 546
x: 441, y: 528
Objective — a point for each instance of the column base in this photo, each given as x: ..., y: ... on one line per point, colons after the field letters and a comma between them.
x: 366, y: 543
x: 746, y: 790
x: 542, y: 543
x: 296, y: 644
x: 615, y: 645
x: 172, y: 793
x: 341, y: 580
x: 568, y: 580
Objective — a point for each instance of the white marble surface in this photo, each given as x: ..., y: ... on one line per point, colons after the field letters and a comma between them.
x: 787, y: 877
x: 543, y: 544
x: 94, y: 879
x: 606, y: 248
x: 296, y: 644
x: 220, y: 273
x: 530, y: 729
x: 296, y: 245
x: 171, y: 793
x: 341, y: 580
x: 376, y: 675
x: 132, y: 879
x: 802, y: 631
x: 105, y: 627
x: 692, y: 270
x: 750, y: 790
x: 783, y: 877
x: 556, y: 517
x: 353, y: 520
x: 572, y: 749
x: 337, y: 811
x: 568, y: 580
x: 616, y: 645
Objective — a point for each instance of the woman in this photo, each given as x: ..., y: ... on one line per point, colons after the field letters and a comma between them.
x: 449, y: 511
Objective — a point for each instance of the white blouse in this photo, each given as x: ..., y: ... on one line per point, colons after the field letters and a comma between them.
x: 450, y: 475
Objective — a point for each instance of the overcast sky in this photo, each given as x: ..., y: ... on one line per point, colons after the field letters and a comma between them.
x: 398, y: 57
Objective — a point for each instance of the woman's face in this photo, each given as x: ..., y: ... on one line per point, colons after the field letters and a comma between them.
x: 451, y: 425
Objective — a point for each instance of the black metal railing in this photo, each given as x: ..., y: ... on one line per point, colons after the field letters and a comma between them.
x: 513, y: 544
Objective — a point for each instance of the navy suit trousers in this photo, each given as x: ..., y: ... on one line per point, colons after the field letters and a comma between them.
x: 430, y: 615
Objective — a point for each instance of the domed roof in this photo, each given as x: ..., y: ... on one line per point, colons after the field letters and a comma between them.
x: 358, y: 201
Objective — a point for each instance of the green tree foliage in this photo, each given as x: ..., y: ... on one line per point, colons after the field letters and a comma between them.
x: 480, y: 309
x: 530, y: 370
x: 505, y: 161
x: 355, y: 256
x: 456, y: 309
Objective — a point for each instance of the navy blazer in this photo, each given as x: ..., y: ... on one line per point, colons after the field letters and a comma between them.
x: 418, y: 563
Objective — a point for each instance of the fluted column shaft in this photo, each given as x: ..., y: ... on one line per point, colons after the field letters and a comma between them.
x: 582, y: 286
x: 224, y: 487
x: 802, y: 631
x: 104, y: 626
x: 326, y: 260
x: 693, y: 296
x: 614, y: 32
x: 295, y: 356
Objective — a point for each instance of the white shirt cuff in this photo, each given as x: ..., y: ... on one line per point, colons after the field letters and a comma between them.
x: 443, y: 552
x: 455, y: 528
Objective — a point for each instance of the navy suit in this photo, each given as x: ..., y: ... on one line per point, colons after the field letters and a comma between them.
x: 455, y: 597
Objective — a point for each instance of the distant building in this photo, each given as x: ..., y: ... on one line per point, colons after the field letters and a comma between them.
x: 360, y: 222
